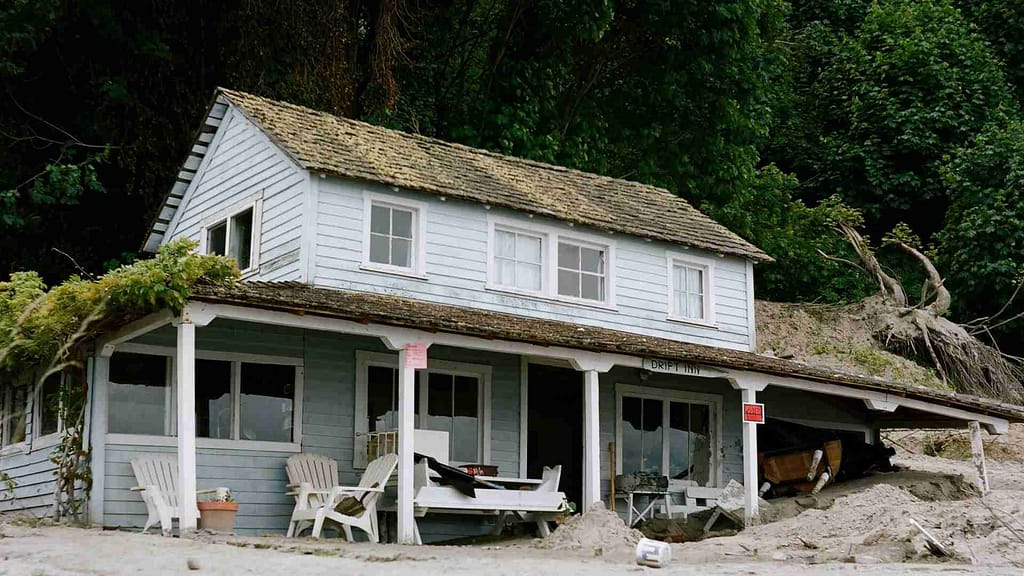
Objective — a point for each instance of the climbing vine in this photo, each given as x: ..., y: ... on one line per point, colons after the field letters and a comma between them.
x: 45, y: 331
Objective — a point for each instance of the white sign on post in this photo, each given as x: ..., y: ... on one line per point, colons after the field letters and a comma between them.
x: 416, y: 356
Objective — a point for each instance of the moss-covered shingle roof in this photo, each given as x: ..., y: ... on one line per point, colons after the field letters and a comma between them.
x: 342, y: 147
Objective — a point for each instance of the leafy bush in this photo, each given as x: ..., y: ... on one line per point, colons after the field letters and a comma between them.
x: 39, y: 326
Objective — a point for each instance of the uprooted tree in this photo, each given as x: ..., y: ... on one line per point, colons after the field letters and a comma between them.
x: 921, y: 331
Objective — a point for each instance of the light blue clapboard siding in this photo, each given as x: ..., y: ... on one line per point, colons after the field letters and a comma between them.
x: 456, y: 269
x: 241, y: 164
x: 328, y: 423
x: 32, y: 473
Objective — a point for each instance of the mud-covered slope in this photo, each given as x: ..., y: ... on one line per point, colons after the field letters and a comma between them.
x: 835, y: 337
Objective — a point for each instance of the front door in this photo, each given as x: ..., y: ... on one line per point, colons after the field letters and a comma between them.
x: 555, y: 426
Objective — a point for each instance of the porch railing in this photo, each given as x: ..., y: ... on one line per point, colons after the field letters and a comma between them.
x: 381, y: 443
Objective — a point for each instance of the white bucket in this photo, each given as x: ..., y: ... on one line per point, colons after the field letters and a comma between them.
x: 653, y: 553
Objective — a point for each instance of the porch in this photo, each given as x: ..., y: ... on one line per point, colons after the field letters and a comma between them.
x: 235, y: 386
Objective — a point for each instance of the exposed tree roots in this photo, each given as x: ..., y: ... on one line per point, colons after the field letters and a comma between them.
x: 924, y: 334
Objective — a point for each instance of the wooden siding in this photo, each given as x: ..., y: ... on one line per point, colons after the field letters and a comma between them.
x: 244, y: 163
x: 328, y: 421
x: 456, y: 269
x: 32, y: 473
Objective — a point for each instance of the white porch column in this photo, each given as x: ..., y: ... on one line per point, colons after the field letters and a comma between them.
x: 406, y: 426
x: 751, y: 514
x: 98, y: 434
x: 185, y: 360
x: 591, y: 440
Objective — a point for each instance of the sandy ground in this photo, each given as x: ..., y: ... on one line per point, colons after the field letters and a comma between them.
x: 859, y: 528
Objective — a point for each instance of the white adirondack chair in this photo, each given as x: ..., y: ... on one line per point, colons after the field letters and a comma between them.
x: 313, y: 480
x: 157, y: 476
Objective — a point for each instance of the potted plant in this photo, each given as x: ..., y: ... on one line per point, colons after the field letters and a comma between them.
x: 218, y: 514
x: 566, y: 510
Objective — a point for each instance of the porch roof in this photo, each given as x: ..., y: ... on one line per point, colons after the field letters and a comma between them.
x: 365, y: 307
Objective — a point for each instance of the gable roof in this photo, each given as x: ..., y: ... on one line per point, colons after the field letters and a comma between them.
x: 367, y: 307
x: 323, y: 143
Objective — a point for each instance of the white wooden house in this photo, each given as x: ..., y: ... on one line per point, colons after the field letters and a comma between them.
x: 563, y: 312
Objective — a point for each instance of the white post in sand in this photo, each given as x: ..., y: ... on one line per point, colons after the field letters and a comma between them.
x: 185, y: 363
x: 591, y: 440
x: 751, y: 513
x: 978, y: 454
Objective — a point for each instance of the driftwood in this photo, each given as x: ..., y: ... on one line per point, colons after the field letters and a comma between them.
x: 934, y: 546
x: 923, y: 333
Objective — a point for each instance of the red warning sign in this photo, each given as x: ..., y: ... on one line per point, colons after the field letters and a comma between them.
x: 753, y: 413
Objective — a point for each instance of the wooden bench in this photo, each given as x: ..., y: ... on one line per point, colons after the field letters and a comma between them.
x: 523, y: 500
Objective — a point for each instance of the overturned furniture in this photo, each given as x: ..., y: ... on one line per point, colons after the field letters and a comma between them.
x: 313, y: 481
x: 439, y: 488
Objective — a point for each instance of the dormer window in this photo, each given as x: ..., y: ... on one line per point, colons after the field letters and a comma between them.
x: 393, y: 240
x: 551, y: 262
x: 690, y: 289
x: 518, y: 260
x: 235, y: 235
x: 391, y: 237
x: 581, y: 271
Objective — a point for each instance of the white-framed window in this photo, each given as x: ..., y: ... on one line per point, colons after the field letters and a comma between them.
x: 691, y: 289
x: 518, y: 259
x: 16, y: 407
x: 394, y: 239
x: 235, y: 232
x: 550, y: 262
x: 668, y: 432
x: 582, y: 270
x: 240, y: 398
x: 452, y: 397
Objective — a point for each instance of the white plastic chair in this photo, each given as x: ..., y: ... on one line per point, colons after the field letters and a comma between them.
x: 313, y: 480
x: 157, y: 476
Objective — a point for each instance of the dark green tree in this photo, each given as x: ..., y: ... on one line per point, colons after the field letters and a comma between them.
x: 982, y: 244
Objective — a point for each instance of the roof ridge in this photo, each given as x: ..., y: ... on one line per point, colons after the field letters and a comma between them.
x: 319, y: 141
x: 457, y: 145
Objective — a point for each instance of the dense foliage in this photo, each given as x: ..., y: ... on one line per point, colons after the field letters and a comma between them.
x: 772, y: 117
x: 40, y: 325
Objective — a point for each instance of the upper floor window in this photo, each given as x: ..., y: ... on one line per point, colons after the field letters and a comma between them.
x: 690, y: 293
x: 581, y: 271
x: 236, y: 235
x: 394, y: 236
x: 550, y: 262
x: 518, y: 260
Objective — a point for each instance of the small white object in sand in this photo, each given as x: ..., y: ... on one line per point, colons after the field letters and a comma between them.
x: 597, y: 528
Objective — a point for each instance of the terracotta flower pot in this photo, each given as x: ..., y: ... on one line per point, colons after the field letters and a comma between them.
x: 217, y: 516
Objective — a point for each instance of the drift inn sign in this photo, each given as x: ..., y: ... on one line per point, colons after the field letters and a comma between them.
x: 674, y: 367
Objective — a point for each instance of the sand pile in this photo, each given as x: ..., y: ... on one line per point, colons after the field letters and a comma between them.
x: 599, y: 529
x: 868, y: 521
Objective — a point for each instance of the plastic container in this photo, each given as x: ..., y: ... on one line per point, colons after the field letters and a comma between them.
x: 653, y: 553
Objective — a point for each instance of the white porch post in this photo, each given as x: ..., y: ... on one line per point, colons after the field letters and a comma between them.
x: 751, y: 514
x: 185, y: 359
x: 98, y: 435
x: 591, y: 440
x: 406, y: 425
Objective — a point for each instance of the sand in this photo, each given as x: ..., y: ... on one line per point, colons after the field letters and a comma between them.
x: 599, y: 530
x: 858, y: 527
